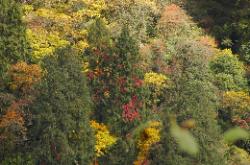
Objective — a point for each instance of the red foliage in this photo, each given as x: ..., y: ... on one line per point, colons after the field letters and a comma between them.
x: 91, y: 75
x: 137, y: 82
x: 241, y: 123
x: 131, y: 109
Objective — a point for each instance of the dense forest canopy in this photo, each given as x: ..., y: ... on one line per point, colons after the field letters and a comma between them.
x: 124, y: 82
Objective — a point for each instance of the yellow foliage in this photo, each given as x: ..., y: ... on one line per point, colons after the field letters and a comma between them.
x: 148, y: 137
x: 238, y: 101
x: 155, y: 79
x: 156, y: 82
x: 95, y: 7
x: 44, y: 43
x: 53, y: 15
x: 238, y: 156
x: 27, y: 9
x: 227, y: 52
x: 103, y: 138
x: 55, y: 25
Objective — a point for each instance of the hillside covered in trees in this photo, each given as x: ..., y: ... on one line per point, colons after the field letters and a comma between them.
x: 124, y: 82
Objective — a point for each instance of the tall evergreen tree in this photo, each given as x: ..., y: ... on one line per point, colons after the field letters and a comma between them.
x: 126, y: 108
x: 13, y: 44
x: 192, y: 97
x: 13, y: 48
x: 116, y: 87
x: 100, y: 60
x: 60, y: 132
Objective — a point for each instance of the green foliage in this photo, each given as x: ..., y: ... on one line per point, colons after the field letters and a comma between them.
x: 228, y: 71
x: 18, y: 159
x: 98, y: 33
x: 146, y: 61
x: 227, y: 20
x: 60, y: 131
x: 123, y: 152
x: 192, y: 97
x: 139, y: 15
x: 13, y: 44
x: 99, y: 56
x: 245, y: 52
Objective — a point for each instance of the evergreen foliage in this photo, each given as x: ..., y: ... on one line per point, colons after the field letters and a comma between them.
x: 60, y: 131
x: 124, y: 82
x: 13, y: 43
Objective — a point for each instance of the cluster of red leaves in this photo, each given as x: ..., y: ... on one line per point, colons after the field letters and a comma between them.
x: 102, y: 55
x: 243, y: 123
x: 122, y: 81
x: 100, y: 74
x: 131, y: 109
x: 91, y: 75
x: 100, y: 69
x: 137, y: 82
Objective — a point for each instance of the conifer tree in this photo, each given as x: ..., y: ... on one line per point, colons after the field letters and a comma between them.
x: 116, y: 87
x: 100, y: 61
x: 126, y: 108
x: 13, y: 48
x: 60, y: 131
x: 13, y: 44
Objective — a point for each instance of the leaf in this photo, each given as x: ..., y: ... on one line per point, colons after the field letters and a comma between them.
x: 235, y: 134
x: 185, y: 140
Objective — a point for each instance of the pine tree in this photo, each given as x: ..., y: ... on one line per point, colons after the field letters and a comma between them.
x: 60, y: 131
x: 192, y: 97
x: 13, y: 44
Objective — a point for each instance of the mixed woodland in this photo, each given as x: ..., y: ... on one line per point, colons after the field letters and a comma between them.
x: 124, y: 82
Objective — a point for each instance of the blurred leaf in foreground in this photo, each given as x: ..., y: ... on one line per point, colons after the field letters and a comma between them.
x: 185, y: 140
x: 235, y: 134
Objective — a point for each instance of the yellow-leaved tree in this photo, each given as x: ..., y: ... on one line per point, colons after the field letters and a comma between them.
x: 55, y: 24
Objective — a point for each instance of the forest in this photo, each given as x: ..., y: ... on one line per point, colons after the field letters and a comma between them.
x: 124, y: 82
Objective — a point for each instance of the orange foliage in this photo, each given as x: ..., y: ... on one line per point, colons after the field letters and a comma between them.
x: 24, y: 76
x: 173, y: 14
x: 13, y: 117
x: 208, y: 41
x: 10, y: 119
x: 173, y: 20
